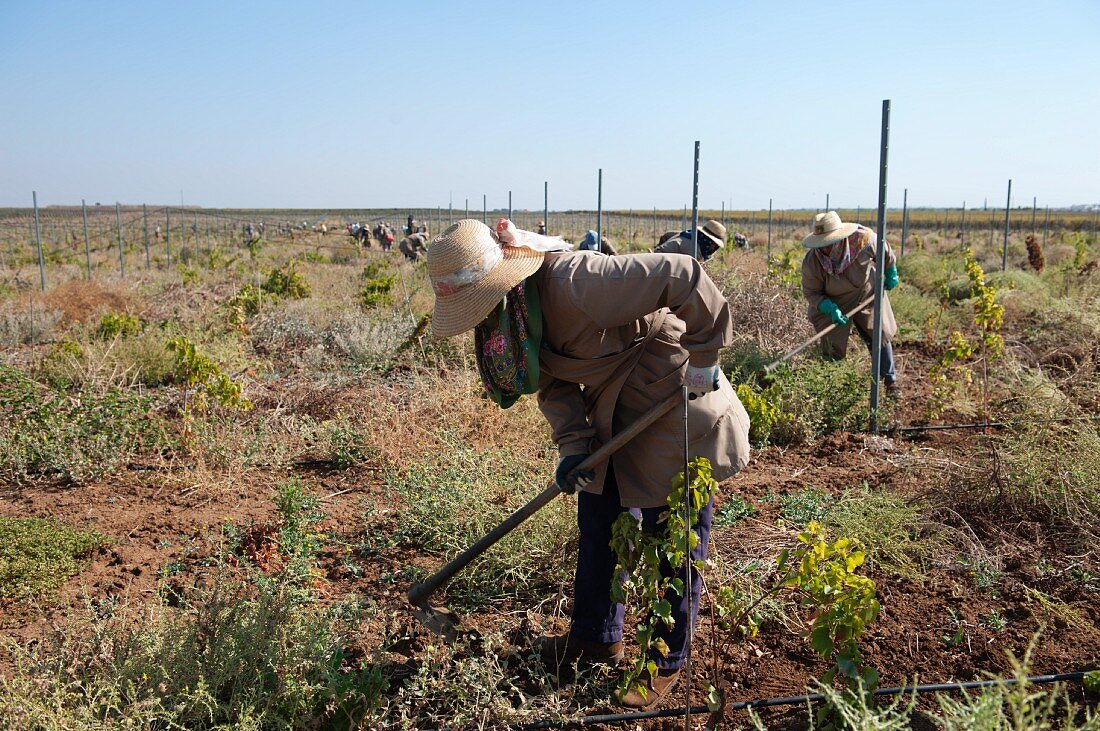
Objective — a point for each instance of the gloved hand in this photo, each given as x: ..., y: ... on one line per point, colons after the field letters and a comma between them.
x: 701, y: 381
x: 830, y: 308
x: 891, y: 278
x: 570, y: 483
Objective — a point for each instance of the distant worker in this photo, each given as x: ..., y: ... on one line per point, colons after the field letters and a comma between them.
x: 588, y: 243
x: 410, y: 228
x: 741, y: 241
x: 542, y: 228
x: 413, y: 246
x: 712, y: 237
x: 838, y: 272
x: 156, y: 232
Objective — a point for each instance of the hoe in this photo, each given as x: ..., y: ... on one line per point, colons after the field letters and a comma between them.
x: 444, y: 622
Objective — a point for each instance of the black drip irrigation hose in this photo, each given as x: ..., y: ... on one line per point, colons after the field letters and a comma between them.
x: 797, y: 700
x: 985, y: 424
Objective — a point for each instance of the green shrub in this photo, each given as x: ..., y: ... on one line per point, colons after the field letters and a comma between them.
x: 286, y: 283
x: 818, y: 396
x: 37, y: 555
x: 893, y: 531
x: 1053, y: 467
x: 117, y: 325
x: 79, y: 438
x: 457, y: 497
x: 379, y: 279
x: 204, y: 378
x: 234, y: 657
x: 805, y: 506
x: 763, y: 414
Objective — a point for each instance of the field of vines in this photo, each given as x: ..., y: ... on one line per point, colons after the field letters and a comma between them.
x: 224, y: 461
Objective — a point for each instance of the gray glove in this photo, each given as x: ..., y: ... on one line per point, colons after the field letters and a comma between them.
x: 700, y: 381
x: 568, y: 480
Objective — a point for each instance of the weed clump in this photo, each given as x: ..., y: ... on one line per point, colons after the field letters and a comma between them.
x: 45, y: 432
x: 37, y: 555
x: 378, y: 282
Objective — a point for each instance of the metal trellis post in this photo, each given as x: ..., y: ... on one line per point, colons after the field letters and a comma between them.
x: 1004, y: 248
x: 121, y: 250
x: 695, y: 209
x: 38, y: 241
x: 599, y: 211
x: 145, y: 228
x: 87, y: 243
x: 880, y: 265
x: 546, y: 205
x: 904, y: 219
x: 769, y: 229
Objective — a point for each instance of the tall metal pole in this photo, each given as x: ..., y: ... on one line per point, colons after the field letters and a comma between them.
x: 1004, y: 249
x: 904, y: 219
x: 769, y: 229
x: 509, y: 205
x: 546, y: 205
x: 599, y: 211
x: 695, y: 222
x: 121, y: 250
x: 38, y: 241
x: 1034, y: 202
x: 145, y: 227
x: 168, y: 234
x: 826, y: 201
x: 880, y: 265
x: 87, y: 244
x: 484, y: 209
x: 962, y: 228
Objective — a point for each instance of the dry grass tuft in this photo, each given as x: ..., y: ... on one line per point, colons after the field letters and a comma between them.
x: 80, y: 300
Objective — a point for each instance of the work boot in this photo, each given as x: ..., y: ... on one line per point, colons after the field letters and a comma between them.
x: 893, y: 390
x: 564, y: 650
x: 656, y: 689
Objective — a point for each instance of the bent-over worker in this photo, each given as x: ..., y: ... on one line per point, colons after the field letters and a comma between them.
x: 838, y: 272
x: 588, y: 243
x: 601, y: 339
x: 413, y: 245
x: 712, y: 237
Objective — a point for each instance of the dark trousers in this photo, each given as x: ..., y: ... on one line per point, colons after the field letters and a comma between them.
x: 595, y: 616
x: 886, y: 367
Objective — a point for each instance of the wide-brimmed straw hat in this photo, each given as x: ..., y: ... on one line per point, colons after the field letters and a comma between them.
x: 828, y: 229
x: 471, y: 272
x: 714, y: 231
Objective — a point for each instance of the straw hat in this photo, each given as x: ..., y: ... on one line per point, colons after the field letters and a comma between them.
x: 828, y: 229
x: 471, y: 272
x: 714, y: 231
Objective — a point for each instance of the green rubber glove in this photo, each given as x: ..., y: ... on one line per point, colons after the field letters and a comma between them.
x: 830, y: 308
x: 891, y: 277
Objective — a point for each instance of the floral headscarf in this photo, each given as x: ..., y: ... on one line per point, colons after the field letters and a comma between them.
x: 507, y: 345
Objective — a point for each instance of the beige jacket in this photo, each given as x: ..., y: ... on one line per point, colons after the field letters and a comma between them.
x: 678, y: 244
x: 618, y: 332
x: 848, y: 289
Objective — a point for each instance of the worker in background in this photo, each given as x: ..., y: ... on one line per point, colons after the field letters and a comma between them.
x: 588, y: 243
x: 413, y: 245
x: 712, y: 237
x: 838, y: 272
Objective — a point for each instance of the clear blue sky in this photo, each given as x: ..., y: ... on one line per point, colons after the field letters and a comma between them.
x: 366, y: 104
